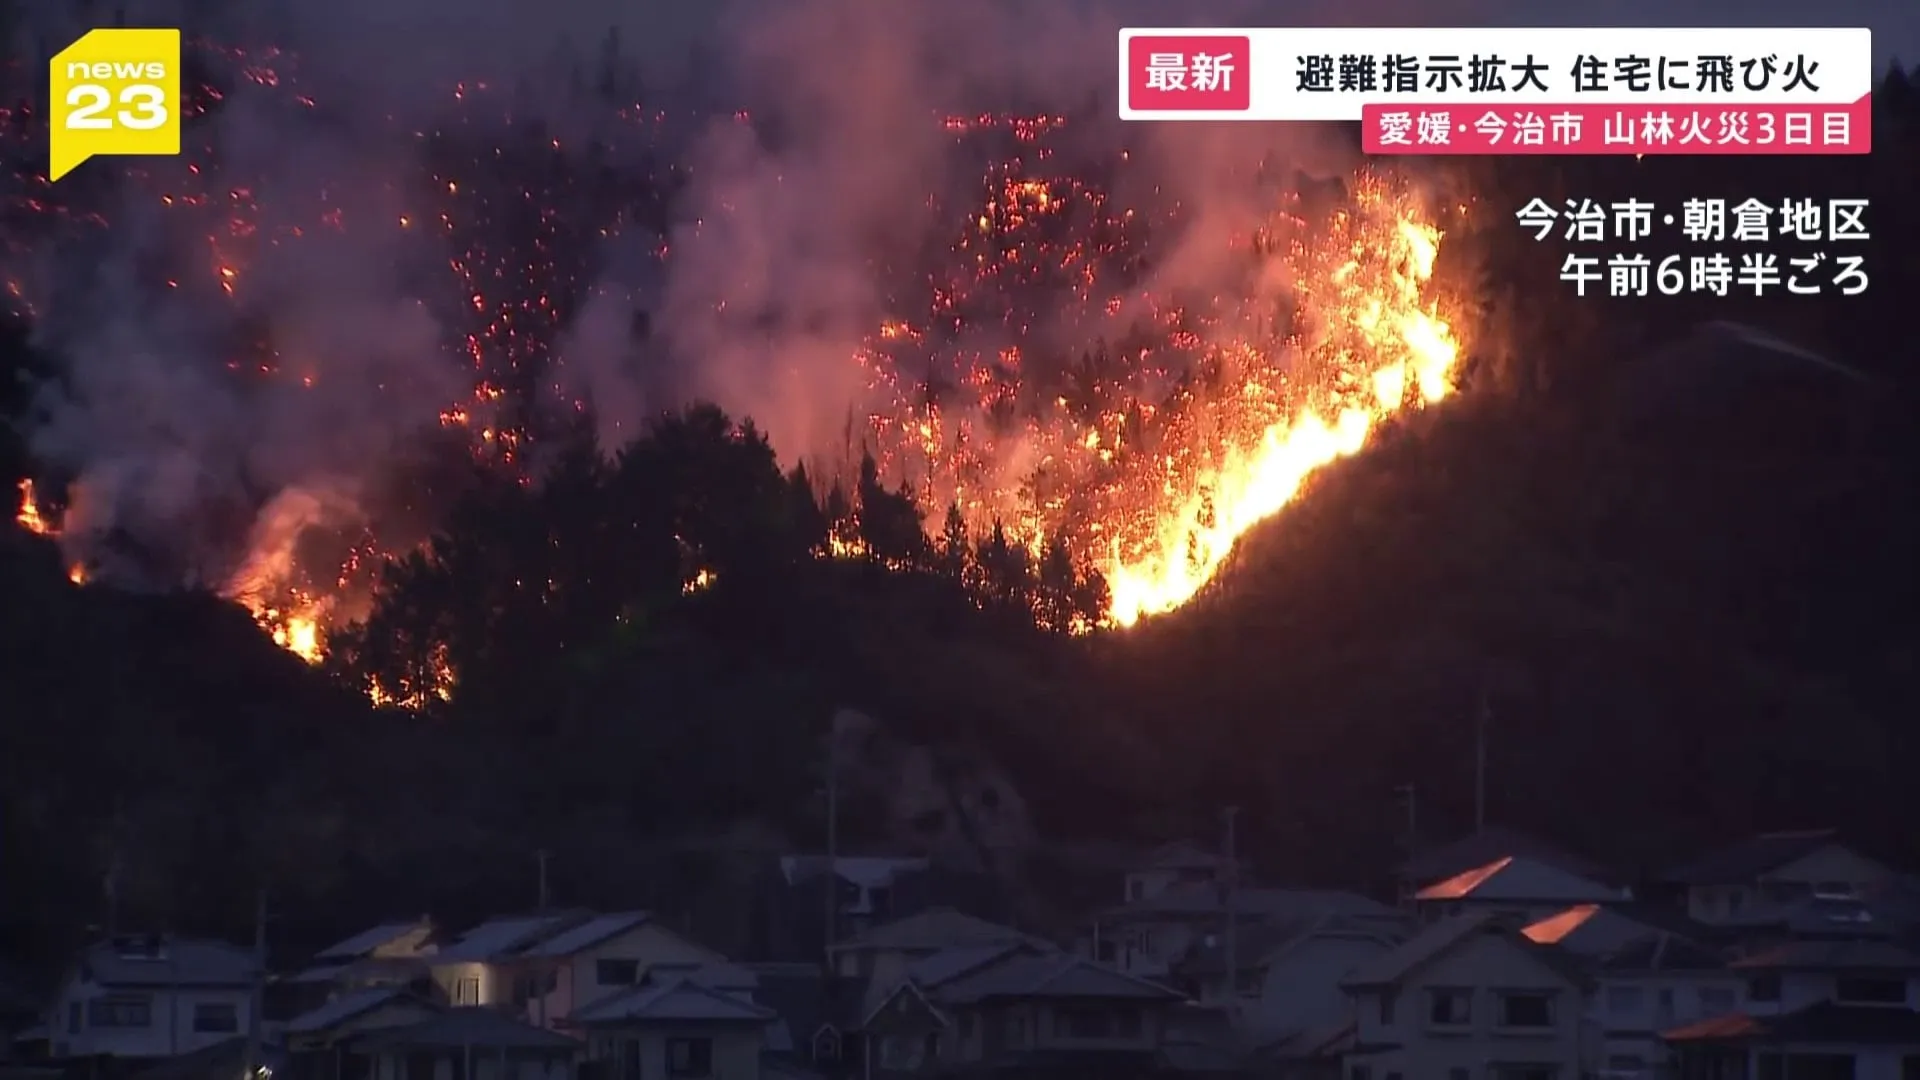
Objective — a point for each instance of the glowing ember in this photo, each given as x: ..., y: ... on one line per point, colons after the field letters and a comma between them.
x: 29, y: 516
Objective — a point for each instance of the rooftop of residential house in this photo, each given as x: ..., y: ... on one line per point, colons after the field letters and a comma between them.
x: 1593, y: 929
x: 1201, y: 899
x: 163, y: 960
x: 506, y: 935
x: 1488, y: 845
x: 1051, y: 975
x: 1441, y: 937
x: 676, y: 1000
x: 471, y: 1028
x: 1256, y: 945
x: 1831, y: 954
x: 1750, y: 858
x: 1520, y: 877
x: 366, y: 941
x: 345, y: 1007
x: 1825, y: 1022
x: 931, y: 931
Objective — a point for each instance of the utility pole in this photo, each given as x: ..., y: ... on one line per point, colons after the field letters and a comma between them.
x: 1410, y: 802
x: 1481, y: 715
x: 1233, y: 932
x: 257, y: 1001
x: 540, y: 857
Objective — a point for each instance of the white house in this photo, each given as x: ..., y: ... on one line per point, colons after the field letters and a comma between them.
x: 154, y: 996
x: 1169, y: 865
x: 1286, y: 982
x: 604, y: 956
x: 1515, y: 886
x: 1468, y: 997
x: 484, y: 967
x: 1648, y: 981
x: 1755, y: 880
x: 882, y: 954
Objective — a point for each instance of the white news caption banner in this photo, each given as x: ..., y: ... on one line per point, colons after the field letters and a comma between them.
x: 1840, y: 61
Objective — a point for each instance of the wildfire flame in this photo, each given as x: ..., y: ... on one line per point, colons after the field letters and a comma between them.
x: 29, y: 516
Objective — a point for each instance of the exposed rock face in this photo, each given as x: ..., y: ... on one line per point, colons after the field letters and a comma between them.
x: 950, y: 803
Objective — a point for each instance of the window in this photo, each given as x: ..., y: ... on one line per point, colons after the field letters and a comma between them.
x: 630, y: 1059
x: 1127, y: 1024
x: 690, y: 1057
x: 1359, y: 1072
x: 1718, y: 1000
x: 1104, y: 951
x: 900, y: 1053
x: 466, y: 991
x: 216, y: 1016
x: 1457, y: 1073
x: 1764, y: 988
x: 616, y: 972
x: 1016, y: 1031
x: 120, y: 1012
x: 1624, y: 1000
x: 1449, y: 1008
x: 1143, y: 943
x: 933, y: 1046
x: 1871, y: 991
x: 1136, y: 889
x: 1526, y: 1010
x: 74, y: 1014
x: 1083, y: 1022
x: 1387, y: 1000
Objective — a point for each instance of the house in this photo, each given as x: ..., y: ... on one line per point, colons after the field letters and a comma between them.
x: 1651, y: 986
x: 1749, y: 882
x: 1848, y: 971
x: 466, y: 1043
x: 1516, y: 886
x: 1488, y: 845
x: 1286, y: 979
x: 1179, y: 863
x: 386, y: 954
x: 817, y: 1018
x: 1027, y: 1014
x: 1149, y: 937
x: 1468, y: 996
x: 1653, y: 972
x: 484, y: 966
x: 882, y: 954
x: 678, y: 1026
x: 152, y: 996
x: 1824, y: 1040
x: 598, y: 958
x: 789, y: 918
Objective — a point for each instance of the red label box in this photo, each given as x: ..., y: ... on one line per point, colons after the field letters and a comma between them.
x: 1196, y: 72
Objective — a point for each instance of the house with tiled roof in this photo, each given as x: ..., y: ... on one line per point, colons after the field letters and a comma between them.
x: 1282, y: 981
x: 1468, y: 994
x: 678, y: 1025
x: 467, y: 1043
x: 1151, y: 936
x: 1752, y: 881
x: 1028, y: 1013
x: 882, y: 955
x: 604, y: 955
x: 353, y: 1012
x: 152, y: 996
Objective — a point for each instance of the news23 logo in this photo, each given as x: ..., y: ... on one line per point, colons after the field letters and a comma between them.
x: 114, y: 91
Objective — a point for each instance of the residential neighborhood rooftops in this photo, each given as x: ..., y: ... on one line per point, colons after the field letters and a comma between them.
x: 1442, y: 936
x: 504, y: 935
x: 587, y: 934
x: 1750, y: 858
x: 1054, y: 975
x: 1662, y: 952
x: 681, y: 999
x: 931, y: 930
x: 1201, y: 899
x: 166, y: 961
x: 473, y: 1027
x: 345, y: 1007
x: 366, y: 941
x: 1825, y: 1022
x: 1519, y: 877
x: 1487, y: 845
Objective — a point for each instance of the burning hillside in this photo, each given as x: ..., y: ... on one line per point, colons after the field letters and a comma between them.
x: 1030, y: 376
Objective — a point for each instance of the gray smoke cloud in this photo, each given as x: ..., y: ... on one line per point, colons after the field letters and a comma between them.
x: 795, y: 236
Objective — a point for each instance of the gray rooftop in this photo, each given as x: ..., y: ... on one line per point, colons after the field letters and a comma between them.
x: 476, y: 1027
x: 364, y: 942
x: 344, y: 1007
x: 166, y: 961
x: 1055, y: 975
x: 588, y: 934
x: 675, y: 1001
x: 502, y: 936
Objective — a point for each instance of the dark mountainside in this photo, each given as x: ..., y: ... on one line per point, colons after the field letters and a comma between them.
x: 1683, y: 583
